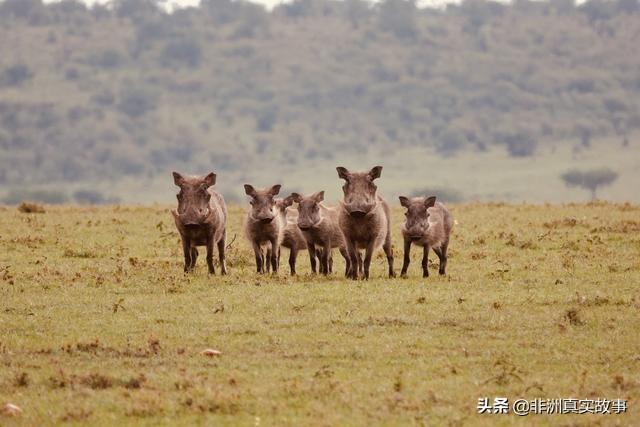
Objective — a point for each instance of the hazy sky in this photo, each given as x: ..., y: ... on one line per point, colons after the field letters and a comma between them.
x: 268, y: 3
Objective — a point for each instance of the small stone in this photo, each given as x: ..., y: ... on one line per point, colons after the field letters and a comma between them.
x: 211, y: 352
x: 11, y: 410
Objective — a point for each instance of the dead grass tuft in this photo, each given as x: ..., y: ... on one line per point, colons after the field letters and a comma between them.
x: 27, y: 207
x: 573, y: 317
x: 96, y: 381
x: 21, y: 380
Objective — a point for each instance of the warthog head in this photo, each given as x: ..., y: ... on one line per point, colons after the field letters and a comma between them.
x: 308, y: 208
x: 193, y: 198
x: 359, y: 190
x: 283, y: 204
x: 262, y: 202
x: 416, y: 223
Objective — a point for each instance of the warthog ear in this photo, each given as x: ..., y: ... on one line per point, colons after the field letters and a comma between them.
x: 430, y: 201
x: 210, y: 179
x: 319, y: 196
x: 375, y: 172
x: 178, y: 179
x: 296, y: 197
x: 343, y: 172
x: 249, y: 190
x: 288, y: 201
x: 404, y: 201
x: 275, y: 189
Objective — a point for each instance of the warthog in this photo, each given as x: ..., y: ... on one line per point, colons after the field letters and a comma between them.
x: 264, y: 226
x: 365, y: 219
x: 428, y: 224
x: 320, y: 227
x: 201, y: 219
x: 292, y: 237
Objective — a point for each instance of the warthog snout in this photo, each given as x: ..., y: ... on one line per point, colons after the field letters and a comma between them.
x: 415, y: 232
x: 266, y: 220
x: 359, y: 210
x: 194, y: 217
x: 304, y: 225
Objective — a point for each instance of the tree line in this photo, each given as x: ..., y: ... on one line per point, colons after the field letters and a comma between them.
x: 127, y: 90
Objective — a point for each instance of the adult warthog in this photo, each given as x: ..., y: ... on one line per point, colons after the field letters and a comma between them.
x: 365, y: 220
x: 201, y: 219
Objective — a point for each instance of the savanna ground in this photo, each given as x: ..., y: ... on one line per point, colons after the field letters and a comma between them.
x: 99, y: 325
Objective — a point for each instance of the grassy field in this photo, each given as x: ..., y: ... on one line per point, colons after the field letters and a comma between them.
x: 99, y: 325
x: 486, y: 176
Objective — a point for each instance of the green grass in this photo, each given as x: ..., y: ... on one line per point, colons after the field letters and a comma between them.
x: 99, y: 325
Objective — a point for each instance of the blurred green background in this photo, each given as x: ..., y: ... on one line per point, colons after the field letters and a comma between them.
x: 475, y: 101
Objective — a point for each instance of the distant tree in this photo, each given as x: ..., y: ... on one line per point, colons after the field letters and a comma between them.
x: 71, y: 74
x: 150, y: 31
x: 480, y: 12
x: 101, y: 11
x: 103, y: 98
x: 625, y: 140
x: 253, y: 20
x: 590, y: 179
x: 19, y: 8
x: 598, y: 10
x: 451, y: 141
x: 520, y: 143
x: 399, y: 17
x: 127, y: 165
x: 136, y: 9
x: 530, y: 7
x: 563, y: 7
x: 221, y: 11
x: 46, y: 117
x: 15, y: 75
x: 356, y: 11
x: 136, y: 102
x: 628, y: 6
x: 266, y: 119
x: 69, y: 6
x: 300, y: 8
x: 585, y: 132
x: 308, y: 8
x: 183, y: 51
x: 615, y: 104
x: 582, y: 85
x: 109, y: 58
x: 69, y: 12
